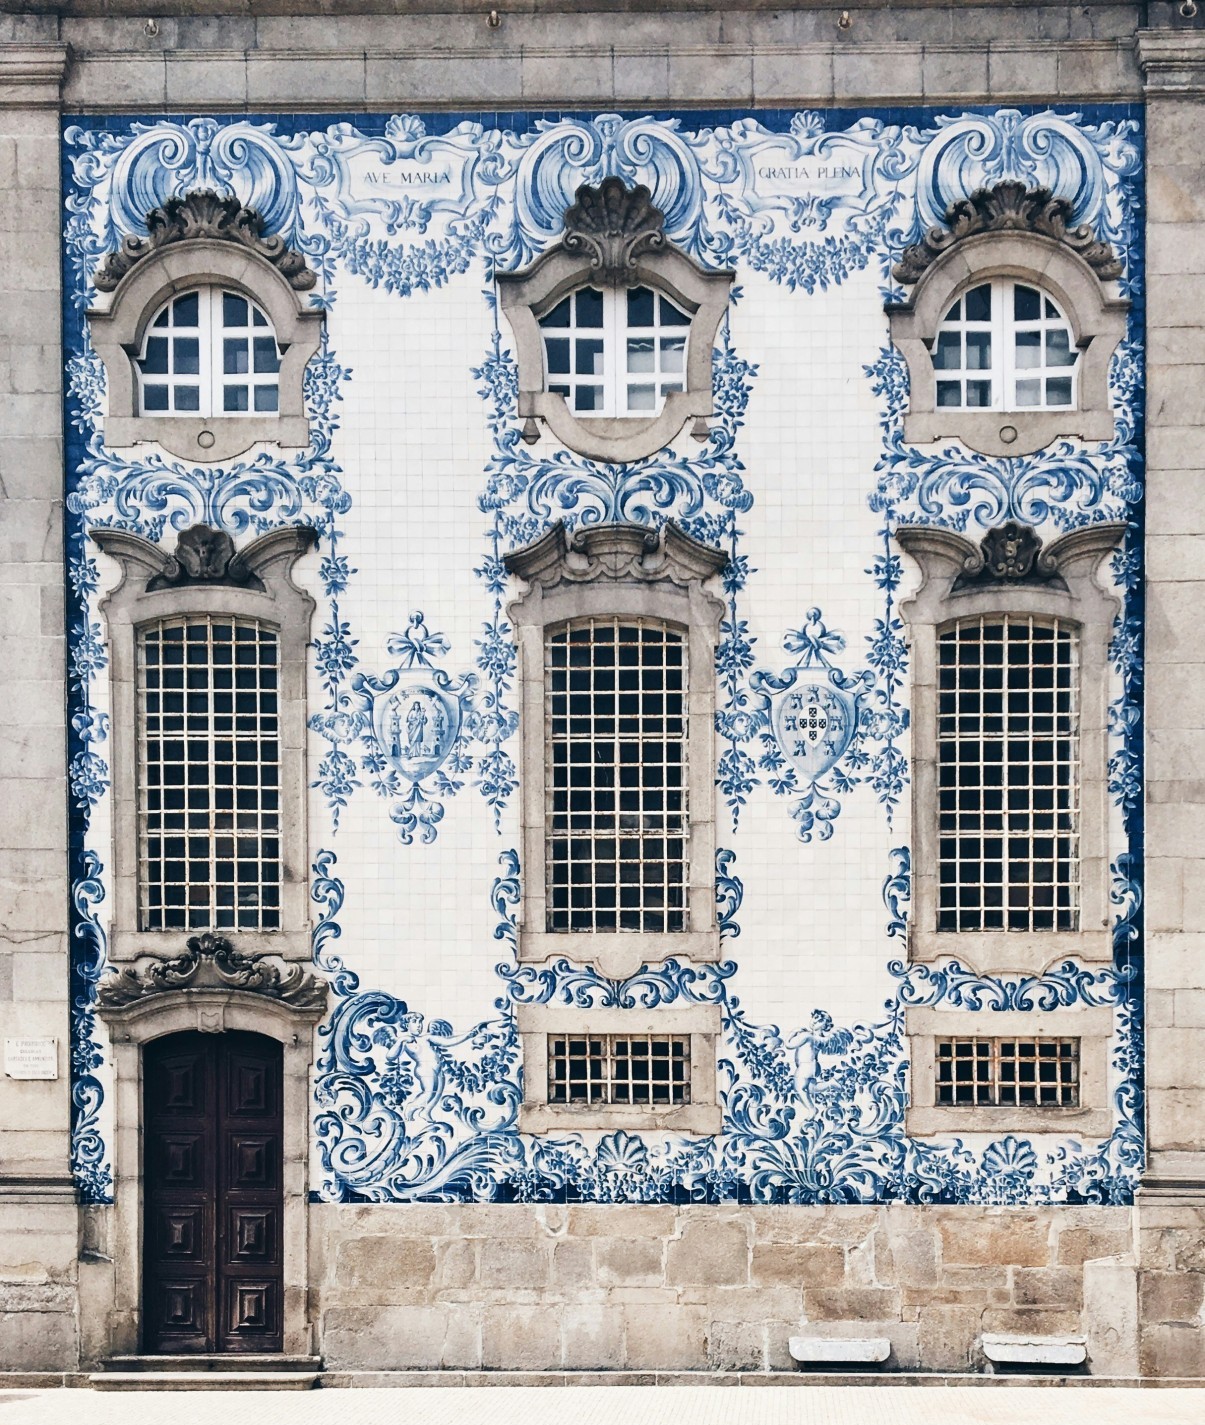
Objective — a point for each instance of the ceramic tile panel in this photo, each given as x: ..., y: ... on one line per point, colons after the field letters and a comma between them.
x: 418, y: 482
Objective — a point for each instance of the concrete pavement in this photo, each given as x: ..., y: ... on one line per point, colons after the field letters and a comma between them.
x: 618, y: 1405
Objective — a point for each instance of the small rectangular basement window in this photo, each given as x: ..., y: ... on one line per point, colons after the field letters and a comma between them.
x: 1002, y: 1072
x: 619, y: 1069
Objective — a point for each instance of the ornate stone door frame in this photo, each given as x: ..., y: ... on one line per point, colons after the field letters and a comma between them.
x: 213, y: 989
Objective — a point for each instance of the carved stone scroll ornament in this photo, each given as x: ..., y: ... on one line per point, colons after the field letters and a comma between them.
x: 209, y: 215
x: 211, y: 962
x: 614, y: 224
x: 630, y: 552
x: 1008, y: 207
x: 204, y: 555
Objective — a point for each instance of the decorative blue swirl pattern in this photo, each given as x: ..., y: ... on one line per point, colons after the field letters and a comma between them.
x: 407, y: 1106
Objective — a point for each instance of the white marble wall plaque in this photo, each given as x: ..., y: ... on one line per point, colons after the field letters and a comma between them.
x: 31, y: 1058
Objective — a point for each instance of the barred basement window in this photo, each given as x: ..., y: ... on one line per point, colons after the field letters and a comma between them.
x: 616, y: 809
x: 619, y: 1069
x: 1008, y: 769
x: 208, y: 774
x: 1036, y: 1073
x: 209, y: 352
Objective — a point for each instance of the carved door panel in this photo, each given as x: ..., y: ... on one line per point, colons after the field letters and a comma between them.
x: 213, y: 1160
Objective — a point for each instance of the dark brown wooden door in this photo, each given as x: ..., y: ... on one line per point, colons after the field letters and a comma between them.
x: 213, y: 1275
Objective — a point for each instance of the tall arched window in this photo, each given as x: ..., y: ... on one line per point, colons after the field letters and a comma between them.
x: 1005, y: 346
x: 209, y: 352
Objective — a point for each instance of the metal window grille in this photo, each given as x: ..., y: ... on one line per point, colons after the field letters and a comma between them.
x: 616, y: 813
x: 209, y: 775
x: 1005, y: 346
x: 209, y: 353
x: 615, y: 353
x: 619, y: 1068
x: 1003, y: 1073
x: 1008, y: 775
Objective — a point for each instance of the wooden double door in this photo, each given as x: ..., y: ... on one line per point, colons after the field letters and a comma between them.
x: 213, y: 1278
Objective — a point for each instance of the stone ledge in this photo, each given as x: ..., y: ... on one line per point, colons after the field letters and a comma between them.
x: 401, y: 1379
x: 31, y: 75
x: 1172, y: 62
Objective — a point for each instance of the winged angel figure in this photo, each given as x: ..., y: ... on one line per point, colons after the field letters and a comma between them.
x: 809, y: 1044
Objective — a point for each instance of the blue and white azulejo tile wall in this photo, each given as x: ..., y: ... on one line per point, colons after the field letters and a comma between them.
x: 419, y: 483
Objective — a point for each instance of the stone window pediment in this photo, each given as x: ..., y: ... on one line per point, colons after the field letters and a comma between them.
x: 205, y: 332
x: 614, y: 245
x: 984, y: 369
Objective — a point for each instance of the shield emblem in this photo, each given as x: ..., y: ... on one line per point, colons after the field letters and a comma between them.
x: 416, y: 724
x: 814, y: 724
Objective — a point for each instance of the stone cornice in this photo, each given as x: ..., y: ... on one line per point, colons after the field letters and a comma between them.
x: 31, y: 76
x: 1172, y: 61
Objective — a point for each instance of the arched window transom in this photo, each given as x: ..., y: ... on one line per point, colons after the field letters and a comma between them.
x: 209, y: 352
x: 1005, y: 346
x: 615, y: 352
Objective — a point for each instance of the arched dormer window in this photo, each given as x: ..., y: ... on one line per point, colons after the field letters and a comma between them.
x: 614, y: 329
x: 205, y: 333
x: 209, y: 352
x: 1010, y: 326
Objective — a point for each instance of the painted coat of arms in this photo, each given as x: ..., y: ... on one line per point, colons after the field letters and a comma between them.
x: 417, y: 722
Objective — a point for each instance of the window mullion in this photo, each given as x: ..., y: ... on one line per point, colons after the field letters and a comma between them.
x: 611, y: 343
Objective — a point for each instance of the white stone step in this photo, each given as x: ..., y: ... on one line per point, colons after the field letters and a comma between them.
x: 203, y: 1380
x: 215, y: 1362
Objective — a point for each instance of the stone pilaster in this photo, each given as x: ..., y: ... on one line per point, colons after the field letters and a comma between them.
x: 38, y: 1217
x: 1171, y: 1214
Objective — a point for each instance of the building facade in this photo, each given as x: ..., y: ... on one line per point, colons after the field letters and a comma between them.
x: 603, y: 696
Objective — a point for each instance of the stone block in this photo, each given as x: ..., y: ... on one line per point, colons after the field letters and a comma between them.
x: 1015, y: 72
x: 639, y: 76
x: 521, y: 1338
x: 736, y: 1346
x: 338, y: 80
x: 1172, y: 1351
x: 384, y: 1337
x: 595, y: 1219
x: 858, y: 1303
x: 436, y: 78
x: 1016, y: 1239
x: 666, y: 1338
x: 1104, y: 71
x: 592, y: 1337
x: 573, y: 77
x: 946, y: 1336
x: 455, y: 1265
x: 1110, y: 1317
x: 1171, y: 1297
x: 573, y: 1265
x: 961, y: 1286
x: 783, y: 76
x: 871, y: 75
x: 1048, y: 1286
x: 1030, y: 1321
x: 222, y: 77
x: 1077, y: 1245
x: 714, y: 1253
x: 1176, y: 1058
x: 1188, y: 1006
x: 798, y: 1264
x: 512, y: 1265
x: 630, y: 1262
x: 101, y: 82
x: 38, y: 1341
x: 954, y: 72
x: 374, y: 1268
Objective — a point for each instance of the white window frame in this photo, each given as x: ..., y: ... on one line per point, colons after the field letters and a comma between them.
x: 211, y: 378
x: 616, y: 380
x: 1003, y: 328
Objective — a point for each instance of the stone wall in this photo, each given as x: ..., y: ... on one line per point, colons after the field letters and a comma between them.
x: 659, y: 1288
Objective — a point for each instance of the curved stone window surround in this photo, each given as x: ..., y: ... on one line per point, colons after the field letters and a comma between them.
x: 119, y: 329
x: 1010, y: 573
x: 208, y: 577
x: 614, y: 241
x: 618, y: 571
x: 950, y: 264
